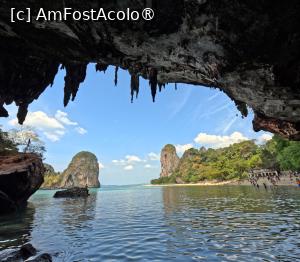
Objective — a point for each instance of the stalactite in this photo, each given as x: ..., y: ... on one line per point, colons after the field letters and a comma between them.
x: 116, y: 75
x: 160, y: 85
x: 3, y: 111
x: 134, y: 85
x: 153, y: 82
x: 101, y: 67
x: 242, y: 107
x: 75, y: 74
x: 22, y: 112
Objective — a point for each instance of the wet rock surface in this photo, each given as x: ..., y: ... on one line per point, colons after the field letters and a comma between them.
x: 169, y: 160
x: 20, y: 176
x: 72, y: 192
x: 25, y: 253
x: 247, y: 49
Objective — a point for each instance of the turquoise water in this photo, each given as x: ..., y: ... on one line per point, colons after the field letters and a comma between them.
x: 137, y: 223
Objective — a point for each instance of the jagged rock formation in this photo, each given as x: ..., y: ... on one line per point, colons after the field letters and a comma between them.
x: 243, y: 162
x: 52, y: 179
x: 20, y: 176
x: 83, y: 170
x: 72, y: 192
x: 249, y: 49
x: 49, y: 169
x: 25, y: 253
x: 169, y: 160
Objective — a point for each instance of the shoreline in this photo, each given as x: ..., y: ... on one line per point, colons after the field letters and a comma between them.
x: 285, y: 181
x: 206, y: 183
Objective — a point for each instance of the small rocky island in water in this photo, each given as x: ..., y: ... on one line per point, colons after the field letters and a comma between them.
x: 82, y: 171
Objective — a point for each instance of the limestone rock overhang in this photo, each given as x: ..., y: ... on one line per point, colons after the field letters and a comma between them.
x: 248, y: 49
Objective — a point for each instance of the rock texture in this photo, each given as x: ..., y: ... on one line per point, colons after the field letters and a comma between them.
x: 52, y: 179
x: 23, y: 253
x: 83, y: 170
x: 249, y: 49
x: 20, y: 176
x: 169, y: 160
x: 72, y: 192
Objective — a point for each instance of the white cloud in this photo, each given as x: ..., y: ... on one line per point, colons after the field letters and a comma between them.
x: 81, y: 130
x: 180, y: 149
x: 129, y: 160
x: 153, y: 156
x: 63, y: 118
x: 53, y: 128
x: 215, y: 141
x: 264, y: 138
x: 132, y: 159
x: 39, y: 120
x: 128, y: 168
x: 101, y: 166
x: 148, y: 166
x: 52, y: 136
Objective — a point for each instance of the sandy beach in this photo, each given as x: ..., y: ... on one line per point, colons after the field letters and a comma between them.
x: 285, y: 181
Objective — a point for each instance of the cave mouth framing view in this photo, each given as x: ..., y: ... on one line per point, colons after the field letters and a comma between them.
x: 149, y: 130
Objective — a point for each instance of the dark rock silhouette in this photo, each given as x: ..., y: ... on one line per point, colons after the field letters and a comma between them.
x: 72, y: 192
x: 20, y: 176
x: 25, y: 252
x: 250, y: 50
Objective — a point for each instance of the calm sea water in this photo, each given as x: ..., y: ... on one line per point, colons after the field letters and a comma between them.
x: 134, y: 223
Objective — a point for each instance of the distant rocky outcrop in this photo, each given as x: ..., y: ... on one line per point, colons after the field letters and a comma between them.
x: 20, y: 176
x: 72, y: 192
x: 244, y: 162
x: 49, y: 169
x: 83, y: 170
x: 169, y: 160
x: 52, y: 179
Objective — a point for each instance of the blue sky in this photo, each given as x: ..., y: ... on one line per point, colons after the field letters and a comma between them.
x: 127, y: 138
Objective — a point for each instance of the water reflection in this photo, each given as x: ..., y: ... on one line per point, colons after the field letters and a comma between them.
x: 15, y: 229
x: 162, y: 224
x: 233, y: 223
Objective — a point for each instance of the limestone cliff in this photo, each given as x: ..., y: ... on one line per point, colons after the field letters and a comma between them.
x: 238, y: 161
x: 248, y: 49
x: 52, y: 179
x: 83, y: 170
x: 20, y: 176
x: 169, y: 160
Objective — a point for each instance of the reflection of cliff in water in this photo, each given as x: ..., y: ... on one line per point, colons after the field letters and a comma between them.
x: 16, y: 228
x: 221, y: 198
x: 75, y: 212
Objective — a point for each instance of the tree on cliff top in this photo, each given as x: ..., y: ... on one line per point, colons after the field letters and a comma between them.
x: 28, y: 141
x: 7, y: 146
x: 23, y: 140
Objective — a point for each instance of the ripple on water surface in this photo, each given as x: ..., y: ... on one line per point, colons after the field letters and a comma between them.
x: 164, y: 224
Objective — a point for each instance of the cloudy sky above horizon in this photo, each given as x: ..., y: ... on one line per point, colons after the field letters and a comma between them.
x: 127, y: 138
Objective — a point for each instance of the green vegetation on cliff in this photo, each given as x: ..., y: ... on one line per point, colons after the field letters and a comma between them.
x: 235, y: 161
x: 52, y: 179
x: 82, y: 170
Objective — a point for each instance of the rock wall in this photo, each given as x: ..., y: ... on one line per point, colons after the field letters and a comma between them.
x: 249, y: 49
x: 83, y: 170
x: 21, y: 175
x: 169, y: 160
